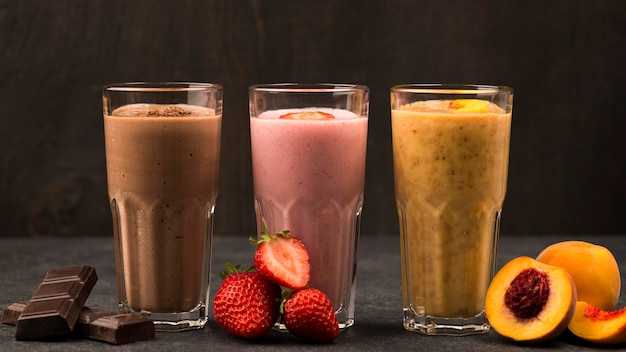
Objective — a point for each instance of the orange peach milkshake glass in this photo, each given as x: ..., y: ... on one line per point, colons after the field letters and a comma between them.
x: 162, y: 154
x: 308, y: 158
x: 450, y: 152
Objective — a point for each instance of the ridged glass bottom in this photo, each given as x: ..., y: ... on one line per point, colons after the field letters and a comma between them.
x: 445, y: 326
x: 344, y: 319
x: 173, y: 322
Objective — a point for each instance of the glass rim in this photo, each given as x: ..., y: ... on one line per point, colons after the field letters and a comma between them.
x: 161, y: 86
x: 307, y: 87
x: 441, y: 88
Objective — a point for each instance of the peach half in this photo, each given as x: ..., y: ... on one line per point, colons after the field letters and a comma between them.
x: 598, y: 326
x: 593, y: 268
x: 529, y: 301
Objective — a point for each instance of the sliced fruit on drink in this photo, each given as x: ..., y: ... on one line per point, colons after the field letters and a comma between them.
x: 282, y: 259
x: 530, y: 301
x: 469, y: 105
x: 308, y: 115
x: 599, y: 326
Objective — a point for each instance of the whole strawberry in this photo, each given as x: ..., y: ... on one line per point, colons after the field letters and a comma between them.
x: 246, y: 304
x: 282, y: 259
x: 310, y: 315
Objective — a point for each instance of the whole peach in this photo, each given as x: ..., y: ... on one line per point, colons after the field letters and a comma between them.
x: 593, y: 268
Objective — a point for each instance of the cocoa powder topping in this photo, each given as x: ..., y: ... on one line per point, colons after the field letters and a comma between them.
x: 168, y: 111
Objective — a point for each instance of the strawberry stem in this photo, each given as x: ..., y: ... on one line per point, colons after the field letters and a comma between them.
x: 232, y: 269
x: 266, y: 236
x: 286, y: 294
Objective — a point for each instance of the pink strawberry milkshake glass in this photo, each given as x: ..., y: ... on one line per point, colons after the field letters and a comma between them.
x: 308, y: 161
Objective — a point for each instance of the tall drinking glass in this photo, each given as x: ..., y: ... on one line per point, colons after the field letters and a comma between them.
x: 162, y: 155
x: 308, y: 159
x: 450, y: 156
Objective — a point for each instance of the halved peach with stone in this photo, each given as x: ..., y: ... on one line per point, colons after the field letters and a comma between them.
x: 593, y: 268
x: 599, y: 326
x: 530, y: 301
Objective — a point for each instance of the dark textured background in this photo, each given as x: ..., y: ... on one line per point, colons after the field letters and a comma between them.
x: 565, y: 59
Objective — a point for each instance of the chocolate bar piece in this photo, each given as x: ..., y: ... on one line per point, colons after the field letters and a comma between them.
x: 12, y: 312
x: 99, y: 324
x: 54, y: 308
x: 114, y: 328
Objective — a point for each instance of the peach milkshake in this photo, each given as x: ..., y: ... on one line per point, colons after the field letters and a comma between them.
x: 309, y: 173
x: 450, y: 166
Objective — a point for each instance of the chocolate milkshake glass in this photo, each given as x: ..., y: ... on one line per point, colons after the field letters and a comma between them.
x: 308, y: 162
x: 450, y: 156
x: 162, y: 156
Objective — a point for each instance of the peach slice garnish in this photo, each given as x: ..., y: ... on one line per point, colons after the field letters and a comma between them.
x: 469, y: 105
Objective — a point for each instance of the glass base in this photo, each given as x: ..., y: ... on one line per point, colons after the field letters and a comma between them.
x: 445, y: 326
x: 173, y: 322
x: 344, y: 321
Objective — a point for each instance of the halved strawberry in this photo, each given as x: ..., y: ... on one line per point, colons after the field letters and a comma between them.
x: 309, y: 314
x: 282, y: 259
x: 308, y: 115
x: 246, y: 304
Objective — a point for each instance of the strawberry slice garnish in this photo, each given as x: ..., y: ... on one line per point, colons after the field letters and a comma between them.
x: 246, y: 304
x: 308, y: 115
x: 282, y: 259
x: 309, y: 314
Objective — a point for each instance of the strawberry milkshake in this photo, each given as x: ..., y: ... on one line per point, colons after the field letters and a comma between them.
x: 309, y: 174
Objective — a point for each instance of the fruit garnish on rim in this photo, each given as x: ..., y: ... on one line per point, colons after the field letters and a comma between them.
x: 282, y: 259
x: 469, y: 105
x: 308, y: 115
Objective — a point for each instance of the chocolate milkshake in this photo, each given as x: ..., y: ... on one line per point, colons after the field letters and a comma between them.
x: 162, y: 170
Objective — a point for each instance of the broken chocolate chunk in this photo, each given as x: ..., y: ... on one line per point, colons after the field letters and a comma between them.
x: 114, y: 328
x: 54, y: 307
x: 99, y: 324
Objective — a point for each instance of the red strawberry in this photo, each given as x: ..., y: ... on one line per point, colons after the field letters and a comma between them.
x: 310, y: 315
x: 246, y: 304
x: 307, y: 115
x: 282, y: 259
